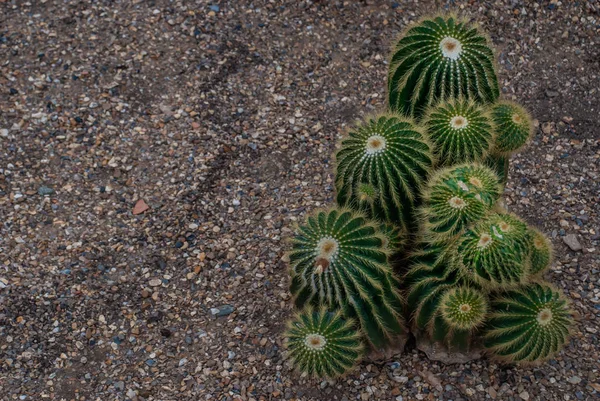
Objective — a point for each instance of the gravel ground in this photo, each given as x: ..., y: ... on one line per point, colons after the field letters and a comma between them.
x: 154, y: 156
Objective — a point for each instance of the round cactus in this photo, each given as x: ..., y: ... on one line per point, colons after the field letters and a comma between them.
x: 512, y: 126
x: 380, y: 168
x: 463, y: 308
x: 323, y: 343
x: 527, y: 324
x: 460, y: 130
x: 452, y: 202
x: 495, y: 252
x: 339, y: 259
x: 438, y: 59
x: 481, y: 180
x: 541, y: 252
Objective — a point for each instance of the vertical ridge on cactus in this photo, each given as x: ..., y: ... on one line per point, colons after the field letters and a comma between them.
x: 529, y: 323
x: 512, y: 126
x: 495, y: 252
x: 339, y: 259
x: 322, y: 343
x: 381, y: 166
x: 460, y: 131
x: 499, y: 164
x: 440, y: 58
x: 541, y: 251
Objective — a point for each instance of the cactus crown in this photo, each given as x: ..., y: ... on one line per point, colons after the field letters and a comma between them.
x: 464, y: 308
x: 527, y: 324
x: 339, y: 259
x: 460, y: 130
x: 322, y: 343
x: 438, y: 59
x: 380, y: 168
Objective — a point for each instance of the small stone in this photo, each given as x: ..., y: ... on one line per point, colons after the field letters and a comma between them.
x: 140, y: 207
x: 44, y: 190
x: 574, y: 380
x: 182, y: 362
x: 120, y: 385
x: 155, y: 282
x: 572, y: 242
x: 131, y: 393
x: 551, y: 93
x: 222, y: 310
x: 524, y: 395
x: 150, y: 362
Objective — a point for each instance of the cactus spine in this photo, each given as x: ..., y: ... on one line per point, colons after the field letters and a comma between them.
x: 527, y: 324
x: 440, y: 59
x: 381, y: 166
x: 323, y: 343
x: 339, y: 259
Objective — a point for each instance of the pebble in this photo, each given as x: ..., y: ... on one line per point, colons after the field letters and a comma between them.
x: 572, y: 242
x: 155, y: 282
x: 44, y: 190
x: 222, y: 310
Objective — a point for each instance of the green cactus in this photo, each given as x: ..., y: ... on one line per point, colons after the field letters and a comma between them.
x: 395, y: 237
x: 380, y: 168
x: 460, y: 130
x: 438, y: 59
x: 498, y: 164
x: 495, y: 252
x: 541, y: 252
x: 512, y: 126
x: 429, y: 280
x: 529, y: 323
x: 323, y: 343
x: 339, y: 259
x: 455, y: 198
x: 463, y: 308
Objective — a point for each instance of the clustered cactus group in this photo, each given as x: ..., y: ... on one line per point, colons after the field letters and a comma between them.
x: 419, y: 239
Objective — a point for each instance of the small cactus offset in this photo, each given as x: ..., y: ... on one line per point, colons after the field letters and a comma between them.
x: 419, y: 211
x: 527, y: 324
x: 512, y: 126
x: 323, y: 343
x: 381, y: 166
x: 460, y: 131
x: 340, y: 259
x: 541, y: 252
x: 438, y: 59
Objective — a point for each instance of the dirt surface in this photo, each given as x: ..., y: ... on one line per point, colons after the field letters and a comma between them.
x: 222, y: 117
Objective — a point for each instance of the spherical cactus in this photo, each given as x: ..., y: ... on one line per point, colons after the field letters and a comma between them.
x: 464, y: 308
x: 481, y: 180
x: 460, y: 131
x: 495, y: 252
x: 541, y: 252
x: 527, y: 324
x: 323, y: 343
x: 339, y: 259
x: 438, y: 59
x: 381, y: 166
x: 451, y: 204
x: 512, y: 126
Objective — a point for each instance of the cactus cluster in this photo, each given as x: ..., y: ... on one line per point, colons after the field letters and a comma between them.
x: 418, y: 212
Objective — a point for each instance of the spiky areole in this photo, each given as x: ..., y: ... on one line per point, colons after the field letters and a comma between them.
x: 451, y: 203
x: 464, y: 308
x: 460, y: 131
x: 512, y: 127
x: 541, y: 252
x: 322, y: 343
x: 495, y: 252
x: 339, y: 259
x: 438, y: 59
x: 395, y: 237
x: 527, y: 324
x: 380, y: 167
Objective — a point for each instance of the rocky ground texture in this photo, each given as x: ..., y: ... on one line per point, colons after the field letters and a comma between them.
x: 154, y: 156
